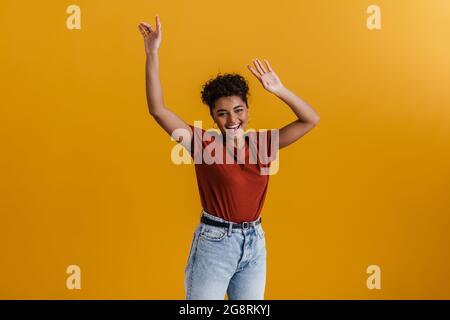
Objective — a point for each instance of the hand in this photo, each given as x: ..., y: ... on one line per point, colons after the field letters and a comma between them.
x: 268, y: 79
x: 152, y: 39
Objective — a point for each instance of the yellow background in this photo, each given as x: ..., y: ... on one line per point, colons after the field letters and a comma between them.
x: 86, y: 176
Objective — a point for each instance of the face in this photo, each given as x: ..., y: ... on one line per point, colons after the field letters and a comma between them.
x: 230, y: 113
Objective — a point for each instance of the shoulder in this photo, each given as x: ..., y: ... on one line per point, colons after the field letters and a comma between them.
x: 203, y: 137
x: 266, y: 135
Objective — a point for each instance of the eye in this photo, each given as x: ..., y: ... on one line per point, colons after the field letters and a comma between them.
x: 239, y: 110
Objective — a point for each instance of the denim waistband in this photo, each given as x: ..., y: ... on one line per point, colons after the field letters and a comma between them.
x: 212, y: 217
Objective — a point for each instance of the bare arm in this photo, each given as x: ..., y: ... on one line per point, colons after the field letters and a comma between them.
x: 167, y: 119
x: 307, y: 118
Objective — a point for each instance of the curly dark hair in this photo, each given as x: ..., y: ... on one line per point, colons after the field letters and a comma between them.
x: 224, y: 85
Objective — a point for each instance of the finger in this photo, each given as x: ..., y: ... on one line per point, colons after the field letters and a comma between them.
x: 147, y: 27
x: 261, y: 66
x: 256, y: 73
x: 255, y: 69
x: 158, y: 24
x: 142, y: 30
x: 258, y: 67
x: 268, y: 65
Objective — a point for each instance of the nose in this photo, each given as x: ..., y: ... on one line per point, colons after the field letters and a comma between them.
x: 232, y: 120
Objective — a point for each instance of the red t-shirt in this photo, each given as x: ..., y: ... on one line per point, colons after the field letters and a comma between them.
x: 232, y: 191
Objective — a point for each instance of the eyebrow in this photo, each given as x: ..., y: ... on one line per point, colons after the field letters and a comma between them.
x: 233, y: 108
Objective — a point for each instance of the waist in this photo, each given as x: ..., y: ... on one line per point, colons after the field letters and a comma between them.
x: 210, y: 219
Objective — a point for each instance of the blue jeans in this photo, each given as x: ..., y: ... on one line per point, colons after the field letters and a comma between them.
x: 226, y: 260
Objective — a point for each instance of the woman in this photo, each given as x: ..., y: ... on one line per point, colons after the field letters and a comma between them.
x: 228, y: 251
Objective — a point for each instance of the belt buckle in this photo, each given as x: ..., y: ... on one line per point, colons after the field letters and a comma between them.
x: 245, y: 225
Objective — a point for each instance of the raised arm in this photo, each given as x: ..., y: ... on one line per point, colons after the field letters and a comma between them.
x: 167, y: 119
x: 307, y: 118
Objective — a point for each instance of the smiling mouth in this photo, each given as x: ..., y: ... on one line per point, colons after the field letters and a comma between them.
x: 235, y: 127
